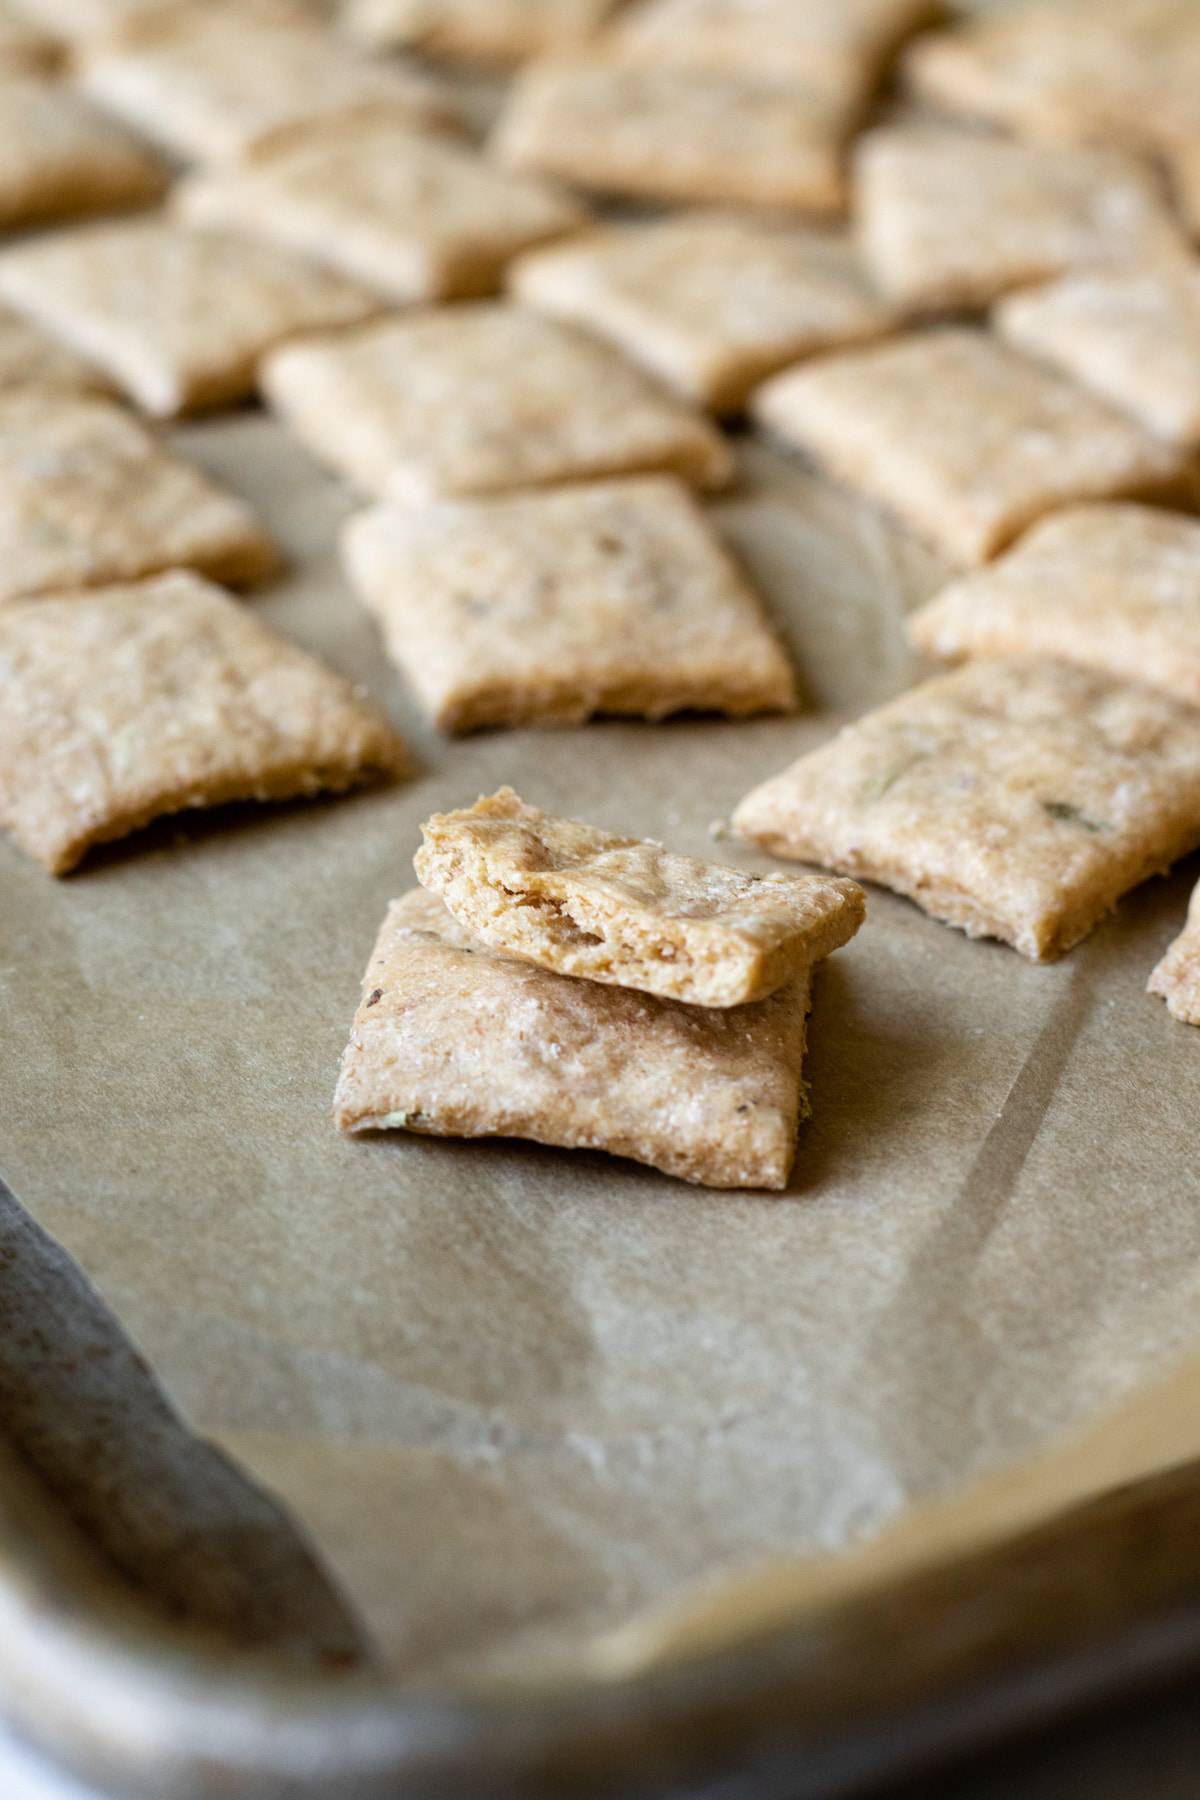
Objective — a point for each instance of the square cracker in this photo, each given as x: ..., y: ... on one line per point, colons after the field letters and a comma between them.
x: 412, y: 216
x: 60, y: 158
x: 1133, y: 338
x: 952, y: 219
x: 88, y: 496
x: 1113, y: 587
x: 30, y: 359
x: 481, y: 398
x: 841, y: 47
x: 569, y: 897
x: 963, y: 439
x: 457, y: 1040
x: 1109, y: 71
x: 1016, y: 799
x: 220, y: 84
x: 1177, y: 977
x: 545, y: 608
x: 661, y: 133
x: 121, y: 704
x: 710, y: 305
x: 502, y: 31
x: 177, y: 318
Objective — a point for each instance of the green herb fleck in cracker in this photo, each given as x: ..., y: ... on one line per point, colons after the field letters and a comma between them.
x: 1066, y: 814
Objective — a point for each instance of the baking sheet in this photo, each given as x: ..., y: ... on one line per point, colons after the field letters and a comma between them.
x: 516, y: 1395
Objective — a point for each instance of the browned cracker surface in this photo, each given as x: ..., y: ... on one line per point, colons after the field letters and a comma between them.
x: 489, y: 30
x: 59, y: 157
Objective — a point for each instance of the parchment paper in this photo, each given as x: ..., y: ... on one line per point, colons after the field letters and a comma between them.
x: 514, y: 1394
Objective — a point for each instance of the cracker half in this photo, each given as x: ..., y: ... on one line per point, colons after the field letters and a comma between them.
x: 569, y: 897
x: 59, y: 158
x: 220, y: 84
x: 482, y: 398
x: 122, y: 704
x: 177, y: 318
x: 89, y: 496
x: 662, y: 133
x: 952, y: 219
x: 1113, y: 587
x: 30, y: 359
x: 838, y: 46
x: 964, y: 440
x: 457, y: 1040
x: 710, y: 305
x: 1134, y: 339
x: 504, y: 31
x: 1177, y: 977
x: 1109, y: 71
x: 1016, y: 799
x: 412, y: 216
x: 546, y: 608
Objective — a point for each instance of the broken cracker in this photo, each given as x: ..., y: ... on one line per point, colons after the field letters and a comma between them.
x: 504, y: 31
x: 1016, y: 799
x: 59, y: 158
x: 586, y: 903
x: 963, y: 439
x: 1177, y: 977
x: 1132, y: 338
x: 546, y: 608
x: 88, y: 496
x: 661, y: 133
x: 1106, y: 71
x: 217, y: 85
x: 482, y: 398
x: 415, y: 217
x: 1113, y: 587
x: 457, y: 1040
x: 119, y: 705
x: 711, y: 305
x: 836, y: 46
x: 950, y: 219
x: 177, y: 318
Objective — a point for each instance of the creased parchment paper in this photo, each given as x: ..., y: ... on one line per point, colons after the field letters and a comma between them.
x: 513, y: 1394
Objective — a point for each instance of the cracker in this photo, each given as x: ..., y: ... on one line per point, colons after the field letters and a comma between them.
x: 481, y: 398
x: 1110, y: 71
x: 220, y: 84
x: 569, y: 897
x: 1113, y: 587
x: 710, y: 305
x: 457, y: 1040
x: 412, y: 216
x: 1183, y: 162
x: 89, y: 496
x: 546, y: 608
x: 28, y: 359
x: 662, y: 133
x: 1177, y: 977
x: 504, y: 31
x: 1132, y: 338
x: 963, y: 439
x: 59, y: 158
x: 177, y: 318
x: 122, y: 704
x: 1016, y: 799
x: 839, y: 46
x: 952, y: 219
